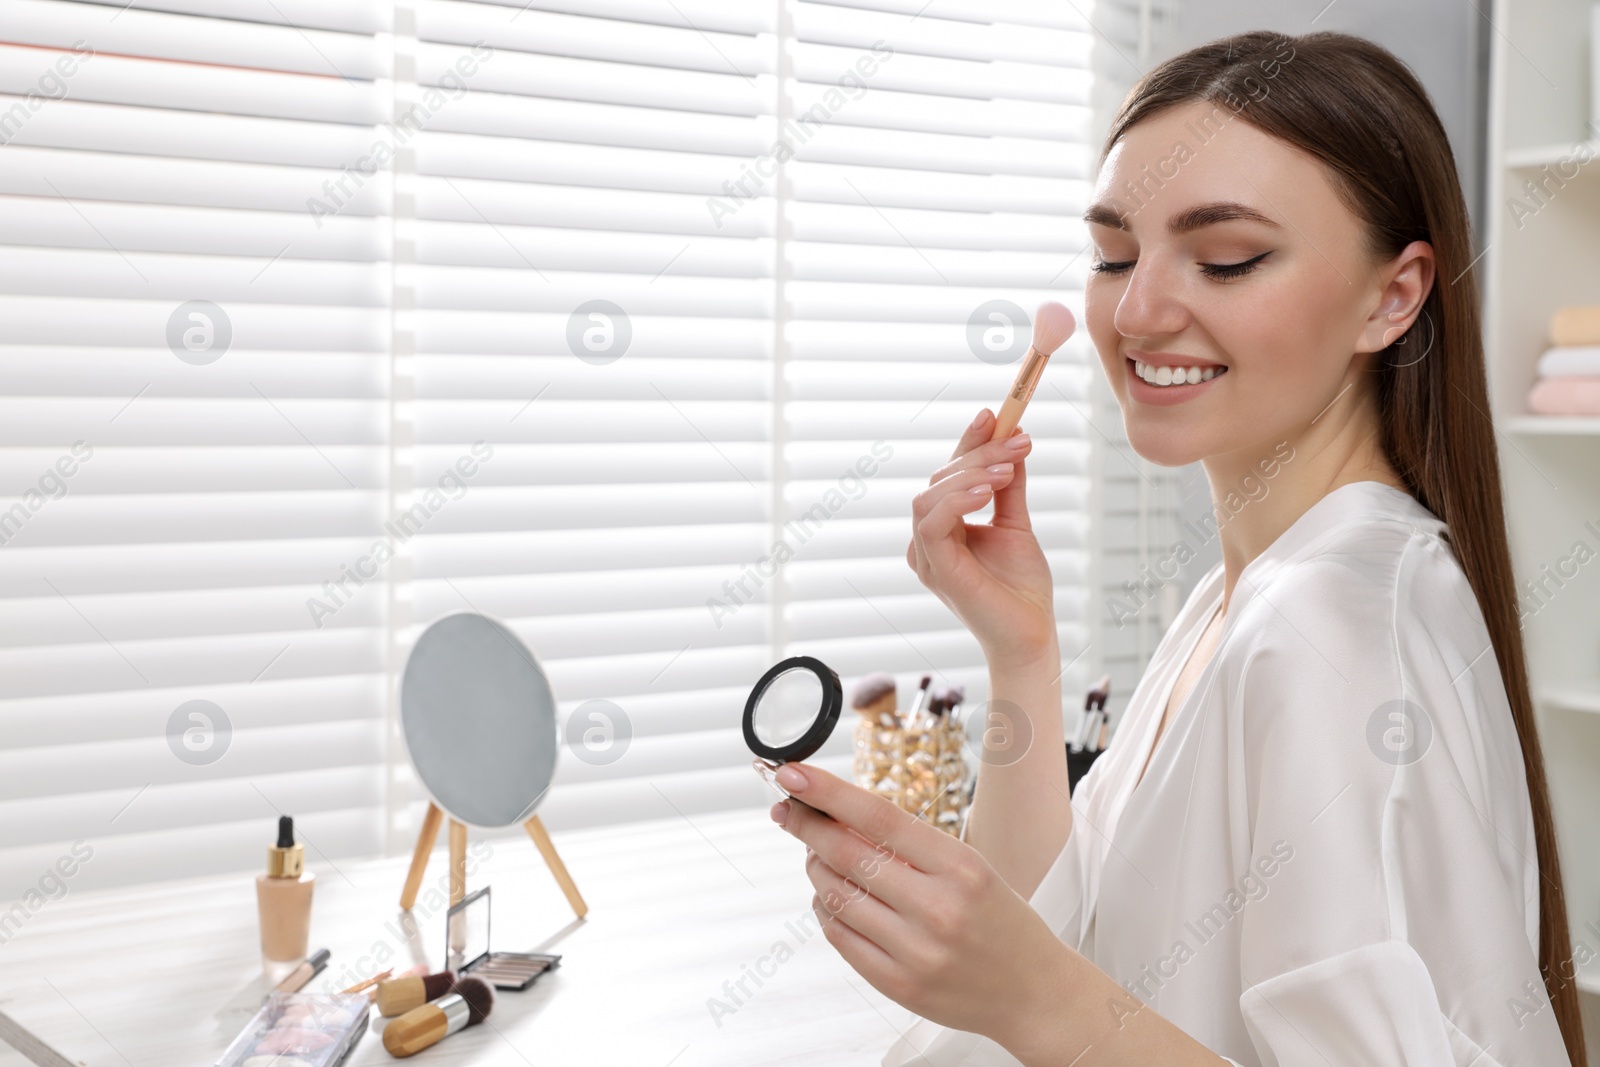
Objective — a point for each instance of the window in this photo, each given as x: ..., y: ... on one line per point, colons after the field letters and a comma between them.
x: 522, y: 298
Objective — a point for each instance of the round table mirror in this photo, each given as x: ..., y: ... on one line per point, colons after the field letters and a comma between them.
x: 479, y: 720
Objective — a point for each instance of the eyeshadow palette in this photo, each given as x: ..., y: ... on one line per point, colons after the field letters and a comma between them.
x: 511, y: 970
x: 467, y: 948
x: 300, y: 1030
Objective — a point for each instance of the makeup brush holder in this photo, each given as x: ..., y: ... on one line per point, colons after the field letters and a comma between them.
x: 918, y: 770
x: 1078, y: 764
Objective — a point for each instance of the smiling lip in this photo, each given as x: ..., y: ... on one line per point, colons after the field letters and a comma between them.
x: 1168, y: 395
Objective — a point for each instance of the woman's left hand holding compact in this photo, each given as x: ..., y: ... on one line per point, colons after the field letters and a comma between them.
x: 920, y: 915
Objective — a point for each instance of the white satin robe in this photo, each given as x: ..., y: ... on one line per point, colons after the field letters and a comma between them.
x: 1302, y: 878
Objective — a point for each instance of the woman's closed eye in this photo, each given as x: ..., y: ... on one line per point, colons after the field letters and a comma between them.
x: 1219, y: 271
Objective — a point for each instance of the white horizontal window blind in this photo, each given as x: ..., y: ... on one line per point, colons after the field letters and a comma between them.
x: 635, y: 324
x: 926, y: 218
x: 579, y: 308
x: 1137, y: 590
x: 703, y: 273
x: 193, y: 416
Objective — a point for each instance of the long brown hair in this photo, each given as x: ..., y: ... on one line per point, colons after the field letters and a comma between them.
x: 1354, y: 106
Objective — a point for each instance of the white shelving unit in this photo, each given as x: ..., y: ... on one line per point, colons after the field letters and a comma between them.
x: 1539, y: 120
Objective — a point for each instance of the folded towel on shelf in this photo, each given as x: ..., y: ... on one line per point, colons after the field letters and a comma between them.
x: 1569, y: 394
x: 1570, y: 359
x: 1578, y: 325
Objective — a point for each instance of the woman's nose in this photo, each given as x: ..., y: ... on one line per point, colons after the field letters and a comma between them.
x: 1151, y: 304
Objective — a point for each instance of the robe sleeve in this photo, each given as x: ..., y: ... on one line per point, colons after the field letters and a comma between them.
x: 1383, y: 824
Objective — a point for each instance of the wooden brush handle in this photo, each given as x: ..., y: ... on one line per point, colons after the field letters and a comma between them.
x: 415, y: 1030
x: 1027, y: 379
x: 399, y: 995
x: 1005, y: 421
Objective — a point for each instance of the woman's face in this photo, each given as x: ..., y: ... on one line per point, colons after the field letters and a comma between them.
x: 1266, y: 300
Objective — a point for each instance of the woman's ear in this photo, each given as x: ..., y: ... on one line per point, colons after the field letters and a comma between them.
x: 1407, y: 280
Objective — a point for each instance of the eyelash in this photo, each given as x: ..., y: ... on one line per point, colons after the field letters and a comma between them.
x: 1219, y: 271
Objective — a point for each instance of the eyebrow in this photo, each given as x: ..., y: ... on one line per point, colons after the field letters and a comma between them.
x: 1185, y: 221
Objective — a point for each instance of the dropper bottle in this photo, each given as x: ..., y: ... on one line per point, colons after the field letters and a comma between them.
x: 283, y: 896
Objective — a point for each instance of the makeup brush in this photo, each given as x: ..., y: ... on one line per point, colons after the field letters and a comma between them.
x: 1052, y: 325
x: 914, y: 716
x: 399, y: 995
x: 1098, y: 694
x: 944, y: 699
x: 956, y: 695
x: 369, y: 986
x: 467, y: 1004
x: 874, y: 697
x: 1093, y: 701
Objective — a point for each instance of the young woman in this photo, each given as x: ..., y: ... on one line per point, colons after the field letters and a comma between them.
x: 1322, y: 834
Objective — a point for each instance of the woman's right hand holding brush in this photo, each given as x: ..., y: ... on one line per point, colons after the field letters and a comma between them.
x: 994, y: 575
x: 996, y: 579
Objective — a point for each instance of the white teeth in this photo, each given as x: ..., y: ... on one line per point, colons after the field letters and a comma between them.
x: 1174, y: 375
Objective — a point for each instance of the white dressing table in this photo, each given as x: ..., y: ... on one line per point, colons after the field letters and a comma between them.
x: 681, y: 910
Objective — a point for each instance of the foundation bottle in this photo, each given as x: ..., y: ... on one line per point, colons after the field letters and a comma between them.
x: 283, y: 895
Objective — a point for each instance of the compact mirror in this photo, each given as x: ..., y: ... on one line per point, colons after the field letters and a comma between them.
x: 479, y: 720
x: 790, y: 713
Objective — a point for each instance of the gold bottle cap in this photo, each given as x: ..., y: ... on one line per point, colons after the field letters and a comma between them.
x: 286, y: 862
x: 287, y: 858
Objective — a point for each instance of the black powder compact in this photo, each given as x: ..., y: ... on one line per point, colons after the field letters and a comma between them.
x: 790, y: 712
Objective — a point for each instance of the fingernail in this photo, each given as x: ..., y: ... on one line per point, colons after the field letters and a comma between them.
x: 791, y: 779
x: 999, y: 468
x: 780, y: 812
x: 1018, y: 441
x: 981, y: 489
x: 983, y: 417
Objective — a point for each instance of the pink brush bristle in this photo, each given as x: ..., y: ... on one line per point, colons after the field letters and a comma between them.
x: 1052, y: 325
